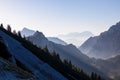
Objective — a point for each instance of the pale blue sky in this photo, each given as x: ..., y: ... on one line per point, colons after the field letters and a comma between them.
x: 54, y: 17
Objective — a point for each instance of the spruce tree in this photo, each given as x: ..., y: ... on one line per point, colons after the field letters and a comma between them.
x: 1, y: 26
x: 19, y: 34
x: 9, y: 28
x: 14, y: 32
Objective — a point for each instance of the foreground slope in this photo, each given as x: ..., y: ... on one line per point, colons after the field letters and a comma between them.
x: 36, y: 66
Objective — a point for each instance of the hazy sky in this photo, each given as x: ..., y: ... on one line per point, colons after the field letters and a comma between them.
x: 54, y: 17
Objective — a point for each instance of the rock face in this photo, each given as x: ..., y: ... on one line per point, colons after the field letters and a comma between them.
x: 106, y: 45
x: 38, y: 38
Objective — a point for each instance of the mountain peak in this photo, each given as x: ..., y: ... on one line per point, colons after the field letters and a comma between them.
x: 27, y: 32
x: 40, y: 34
x: 25, y: 28
x: 70, y: 45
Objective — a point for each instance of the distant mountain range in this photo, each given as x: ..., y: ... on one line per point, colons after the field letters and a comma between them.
x: 69, y: 52
x: 72, y: 38
x: 76, y: 38
x: 65, y: 51
x: 106, y: 45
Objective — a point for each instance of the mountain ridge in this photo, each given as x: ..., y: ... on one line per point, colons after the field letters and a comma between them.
x: 105, y: 45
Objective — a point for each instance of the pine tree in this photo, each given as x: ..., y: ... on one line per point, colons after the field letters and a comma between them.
x: 57, y: 56
x: 1, y: 26
x: 99, y: 78
x: 46, y: 49
x: 3, y: 50
x: 53, y: 54
x: 14, y: 32
x: 92, y: 76
x: 9, y: 28
x: 24, y: 37
x: 65, y: 61
x: 19, y: 34
x: 70, y: 64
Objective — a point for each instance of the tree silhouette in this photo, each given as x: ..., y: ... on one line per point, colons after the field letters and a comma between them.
x: 3, y: 50
x: 46, y: 49
x: 14, y: 32
x: 19, y: 34
x: 1, y: 26
x: 9, y: 28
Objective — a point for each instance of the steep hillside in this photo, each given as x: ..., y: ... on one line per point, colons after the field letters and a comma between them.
x: 29, y: 60
x: 106, y: 45
x: 8, y: 69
